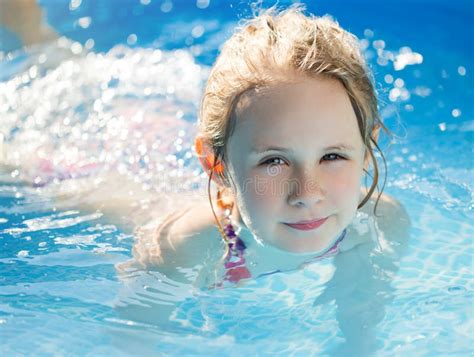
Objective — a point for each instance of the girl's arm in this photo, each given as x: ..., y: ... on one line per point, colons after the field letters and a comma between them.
x: 121, y: 200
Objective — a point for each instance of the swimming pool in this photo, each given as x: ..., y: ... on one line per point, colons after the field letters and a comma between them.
x: 91, y: 105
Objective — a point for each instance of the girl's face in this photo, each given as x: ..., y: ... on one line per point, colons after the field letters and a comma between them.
x: 296, y: 160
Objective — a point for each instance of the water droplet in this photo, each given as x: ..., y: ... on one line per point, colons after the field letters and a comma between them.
x: 74, y: 4
x: 456, y: 113
x: 33, y: 72
x: 399, y: 83
x: 394, y: 94
x: 167, y: 6
x: 388, y: 78
x: 89, y: 43
x: 76, y: 48
x: 462, y: 71
x: 368, y: 33
x: 197, y: 31
x: 84, y: 22
x: 22, y: 254
x: 202, y: 4
x: 132, y: 39
x: 42, y: 58
x: 378, y: 44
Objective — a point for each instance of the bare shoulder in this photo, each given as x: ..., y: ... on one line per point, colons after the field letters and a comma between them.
x: 390, y: 208
x: 386, y: 207
x: 391, y: 216
x: 190, y: 238
x: 183, y: 239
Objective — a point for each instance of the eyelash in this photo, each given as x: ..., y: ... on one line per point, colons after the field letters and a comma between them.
x: 337, y: 157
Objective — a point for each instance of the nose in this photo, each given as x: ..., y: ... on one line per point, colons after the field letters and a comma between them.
x: 306, y: 189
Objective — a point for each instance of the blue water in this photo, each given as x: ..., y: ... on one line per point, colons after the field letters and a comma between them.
x: 96, y: 102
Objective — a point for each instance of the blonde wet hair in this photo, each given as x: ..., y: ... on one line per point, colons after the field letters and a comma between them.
x: 275, y: 47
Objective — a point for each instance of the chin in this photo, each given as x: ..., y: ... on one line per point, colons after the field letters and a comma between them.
x: 301, y: 248
x: 313, y: 244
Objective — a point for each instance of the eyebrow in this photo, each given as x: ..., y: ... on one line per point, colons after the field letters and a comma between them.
x: 261, y: 150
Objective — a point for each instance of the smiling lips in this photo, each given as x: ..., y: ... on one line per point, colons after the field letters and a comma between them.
x: 307, y: 225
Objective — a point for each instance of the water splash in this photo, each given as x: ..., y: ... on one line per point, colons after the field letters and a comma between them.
x: 127, y: 111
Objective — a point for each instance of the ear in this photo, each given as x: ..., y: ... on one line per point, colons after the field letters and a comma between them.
x: 375, y: 137
x: 206, y: 157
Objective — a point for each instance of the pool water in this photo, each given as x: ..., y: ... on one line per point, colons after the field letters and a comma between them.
x: 118, y: 94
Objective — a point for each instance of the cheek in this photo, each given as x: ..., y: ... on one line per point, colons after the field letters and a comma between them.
x: 256, y: 205
x: 260, y: 195
x: 345, y: 184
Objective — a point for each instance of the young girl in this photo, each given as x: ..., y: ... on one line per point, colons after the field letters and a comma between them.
x: 288, y: 131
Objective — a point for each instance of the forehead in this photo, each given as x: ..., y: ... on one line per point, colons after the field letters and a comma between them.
x: 309, y: 110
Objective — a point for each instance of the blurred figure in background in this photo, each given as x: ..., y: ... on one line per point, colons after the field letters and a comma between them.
x: 26, y: 20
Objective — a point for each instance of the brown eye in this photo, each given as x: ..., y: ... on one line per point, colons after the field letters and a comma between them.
x: 332, y: 157
x: 274, y: 161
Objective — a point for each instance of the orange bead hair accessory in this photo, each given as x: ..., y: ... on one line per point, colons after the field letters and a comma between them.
x: 207, y: 158
x: 219, y: 168
x: 225, y: 204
